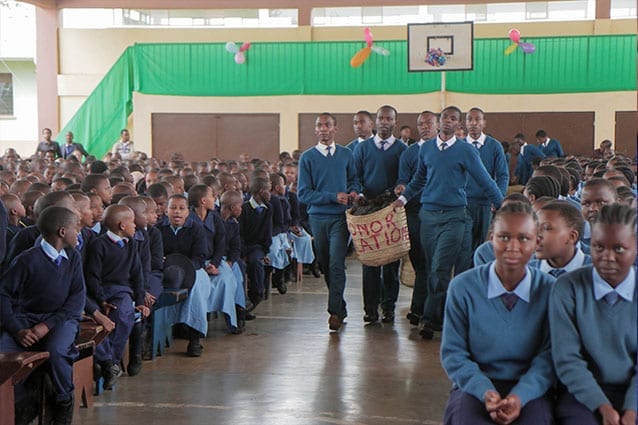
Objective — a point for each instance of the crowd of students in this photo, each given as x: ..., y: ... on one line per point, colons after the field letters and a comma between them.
x: 103, y: 239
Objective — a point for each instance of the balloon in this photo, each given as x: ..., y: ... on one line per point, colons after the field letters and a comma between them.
x: 528, y: 48
x: 360, y: 57
x: 515, y: 35
x: 240, y: 58
x: 245, y: 46
x: 231, y: 47
x: 380, y: 50
x: 511, y: 49
x: 368, y: 35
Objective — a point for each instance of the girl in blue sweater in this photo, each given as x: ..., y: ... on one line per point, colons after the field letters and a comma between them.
x: 496, y: 346
x: 592, y: 317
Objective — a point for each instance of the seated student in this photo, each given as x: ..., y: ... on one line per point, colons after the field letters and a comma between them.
x: 227, y: 295
x: 558, y: 252
x: 255, y: 225
x: 280, y: 247
x: 540, y: 186
x: 157, y: 248
x: 597, y: 192
x: 114, y: 279
x: 302, y: 252
x: 592, y: 317
x: 496, y: 346
x: 626, y: 196
x: 15, y: 211
x: 97, y: 209
x: 183, y: 235
x: 26, y: 237
x: 41, y: 299
x: 159, y: 194
x: 99, y: 184
x: 28, y: 200
x: 484, y: 253
x: 142, y: 242
x: 83, y: 206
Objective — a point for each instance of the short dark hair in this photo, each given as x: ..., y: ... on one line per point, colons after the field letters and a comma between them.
x: 51, y: 219
x: 157, y: 190
x: 328, y: 114
x: 98, y: 167
x: 519, y: 136
x: 453, y: 108
x: 92, y: 180
x: 50, y: 199
x: 477, y: 109
x: 258, y: 184
x: 196, y: 194
x: 516, y: 197
x: 598, y: 182
x: 541, y: 133
x: 569, y: 213
x: 396, y: 113
x: 515, y: 208
x: 403, y: 127
x: 364, y: 112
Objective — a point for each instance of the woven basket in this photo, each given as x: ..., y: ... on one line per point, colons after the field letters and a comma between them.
x: 380, y: 238
x: 406, y: 273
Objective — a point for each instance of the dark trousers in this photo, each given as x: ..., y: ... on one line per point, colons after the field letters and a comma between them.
x: 112, y: 348
x: 481, y: 216
x: 59, y: 342
x: 331, y: 244
x: 465, y: 409
x: 380, y: 285
x: 570, y: 411
x: 443, y: 235
x: 419, y: 262
x: 255, y: 273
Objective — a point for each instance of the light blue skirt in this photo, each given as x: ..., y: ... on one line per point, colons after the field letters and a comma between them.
x: 302, y: 247
x: 277, y: 254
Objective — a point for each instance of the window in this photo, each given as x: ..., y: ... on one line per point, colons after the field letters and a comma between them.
x: 623, y: 9
x: 6, y: 94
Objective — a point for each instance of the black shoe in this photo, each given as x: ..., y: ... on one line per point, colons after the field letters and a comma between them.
x: 388, y: 316
x: 252, y: 305
x: 426, y: 331
x: 97, y: 371
x: 110, y: 373
x: 147, y: 343
x: 371, y: 318
x: 135, y: 366
x: 194, y: 349
x: 63, y: 412
x: 249, y: 316
x: 314, y: 269
x: 282, y: 288
x: 413, y: 318
x: 334, y: 322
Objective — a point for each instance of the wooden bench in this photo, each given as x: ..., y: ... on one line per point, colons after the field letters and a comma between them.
x: 161, y: 325
x: 14, y: 368
x: 90, y: 336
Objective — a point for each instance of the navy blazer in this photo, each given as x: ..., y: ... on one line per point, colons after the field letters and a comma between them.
x: 75, y: 147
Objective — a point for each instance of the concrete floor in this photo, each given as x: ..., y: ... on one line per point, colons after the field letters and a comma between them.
x: 289, y: 369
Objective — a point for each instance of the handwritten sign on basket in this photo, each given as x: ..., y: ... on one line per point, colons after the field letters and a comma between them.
x: 378, y: 234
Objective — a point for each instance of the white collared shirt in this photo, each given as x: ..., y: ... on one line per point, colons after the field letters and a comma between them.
x: 323, y: 149
x: 574, y: 263
x: 389, y: 142
x: 420, y: 142
x: 480, y: 140
x: 523, y: 148
x: 449, y: 143
x: 624, y: 289
x: 361, y: 139
x: 495, y: 287
x: 254, y: 203
x: 51, y: 252
x: 115, y: 238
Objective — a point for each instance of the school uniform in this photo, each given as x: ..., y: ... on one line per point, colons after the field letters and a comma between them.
x: 445, y: 223
x: 189, y: 240
x: 4, y: 231
x: 114, y: 275
x: 278, y: 248
x: 22, y: 241
x: 68, y: 149
x: 43, y: 285
x: 593, y: 331
x: 377, y: 164
x: 408, y: 165
x: 225, y: 292
x: 484, y: 254
x: 478, y: 205
x: 552, y: 148
x: 356, y: 142
x: 497, y: 340
x: 325, y: 171
x: 524, y: 167
x: 578, y: 260
x: 255, y: 225
x: 301, y: 244
x: 156, y: 247
x: 11, y: 232
x: 232, y: 252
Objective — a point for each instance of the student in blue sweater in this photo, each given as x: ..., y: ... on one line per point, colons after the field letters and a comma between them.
x: 377, y: 164
x: 42, y: 295
x: 557, y: 252
x: 496, y: 343
x: 597, y: 193
x: 550, y: 147
x: 115, y: 280
x: 493, y: 158
x: 592, y: 314
x: 328, y: 184
x: 362, y: 124
x: 427, y: 125
x: 525, y: 154
x: 444, y: 167
x: 255, y: 225
x: 280, y: 246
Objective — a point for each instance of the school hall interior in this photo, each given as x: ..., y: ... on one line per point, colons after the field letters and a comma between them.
x: 164, y: 71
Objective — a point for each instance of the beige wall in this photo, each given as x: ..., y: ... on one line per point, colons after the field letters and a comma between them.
x: 86, y: 55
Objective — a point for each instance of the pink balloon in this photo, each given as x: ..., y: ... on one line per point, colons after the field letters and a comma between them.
x: 240, y: 58
x: 245, y: 46
x: 515, y: 35
x: 368, y: 35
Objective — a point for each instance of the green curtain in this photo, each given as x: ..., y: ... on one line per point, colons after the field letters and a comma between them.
x: 559, y: 65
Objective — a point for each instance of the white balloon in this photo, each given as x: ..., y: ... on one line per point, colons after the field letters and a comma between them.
x: 231, y: 47
x: 380, y: 50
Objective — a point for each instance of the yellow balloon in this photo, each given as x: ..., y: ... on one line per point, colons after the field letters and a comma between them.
x: 360, y: 57
x: 511, y: 49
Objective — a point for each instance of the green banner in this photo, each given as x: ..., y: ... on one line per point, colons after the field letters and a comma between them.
x: 559, y: 65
